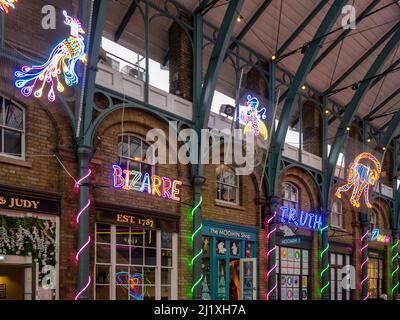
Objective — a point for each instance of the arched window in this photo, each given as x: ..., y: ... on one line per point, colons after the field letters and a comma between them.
x: 336, y: 215
x: 12, y: 129
x: 290, y: 196
x: 132, y: 153
x: 373, y: 219
x: 227, y: 184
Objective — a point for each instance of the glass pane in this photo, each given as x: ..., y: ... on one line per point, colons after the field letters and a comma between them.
x: 135, y: 151
x: 136, y: 255
x: 332, y: 258
x: 103, y: 253
x: 134, y: 165
x: 14, y: 116
x: 166, y: 240
x: 221, y: 281
x: 166, y: 293
x: 122, y: 235
x: 123, y: 146
x: 102, y: 292
x: 150, y: 238
x: 1, y: 110
x: 149, y: 276
x: 220, y: 246
x: 121, y: 292
x: 137, y: 237
x: 339, y: 259
x: 103, y: 233
x: 102, y: 274
x: 12, y: 142
x: 149, y: 293
x: 235, y: 250
x: 122, y: 254
x: 166, y: 258
x: 166, y: 276
x: 249, y: 250
x: 150, y: 257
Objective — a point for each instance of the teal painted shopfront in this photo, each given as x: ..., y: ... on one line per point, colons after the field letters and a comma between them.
x: 229, y: 262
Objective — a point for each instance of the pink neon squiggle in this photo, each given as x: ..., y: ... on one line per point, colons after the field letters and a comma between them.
x: 272, y: 290
x: 82, y: 248
x: 364, y: 262
x: 84, y: 288
x: 82, y: 211
x: 267, y: 239
x: 78, y: 183
x: 366, y: 297
x: 269, y: 252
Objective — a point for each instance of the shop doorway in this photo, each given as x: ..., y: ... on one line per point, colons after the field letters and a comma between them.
x: 17, y: 282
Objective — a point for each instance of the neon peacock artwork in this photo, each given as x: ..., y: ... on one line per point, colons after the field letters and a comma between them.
x: 62, y: 61
x: 6, y: 4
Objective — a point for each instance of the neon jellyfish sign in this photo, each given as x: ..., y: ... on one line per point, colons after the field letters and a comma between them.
x: 253, y: 118
x: 6, y: 4
x: 361, y: 177
x: 62, y: 60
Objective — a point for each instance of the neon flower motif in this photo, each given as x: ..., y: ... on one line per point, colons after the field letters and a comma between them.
x: 5, y: 4
x: 252, y: 118
x: 62, y: 60
x: 361, y: 177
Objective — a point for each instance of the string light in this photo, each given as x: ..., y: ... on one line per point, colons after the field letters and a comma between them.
x: 86, y: 244
x: 197, y: 255
x: 303, y: 87
x: 6, y: 4
x: 62, y: 60
x: 239, y: 18
x: 268, y: 253
x: 361, y: 177
x: 395, y: 256
x: 364, y: 262
x: 324, y: 268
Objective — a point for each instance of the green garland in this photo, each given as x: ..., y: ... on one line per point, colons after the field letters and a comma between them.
x: 28, y: 237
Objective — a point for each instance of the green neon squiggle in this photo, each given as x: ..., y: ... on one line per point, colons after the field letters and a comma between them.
x: 198, y: 254
x: 394, y: 258
x: 326, y: 269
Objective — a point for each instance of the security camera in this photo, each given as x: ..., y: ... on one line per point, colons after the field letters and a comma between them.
x: 227, y: 109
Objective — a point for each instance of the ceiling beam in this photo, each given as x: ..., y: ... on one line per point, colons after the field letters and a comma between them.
x: 388, y: 70
x: 216, y: 60
x: 250, y: 24
x: 301, y: 27
x: 389, y: 133
x: 355, y: 102
x: 128, y: 15
x: 382, y: 104
x: 310, y: 54
x: 364, y: 57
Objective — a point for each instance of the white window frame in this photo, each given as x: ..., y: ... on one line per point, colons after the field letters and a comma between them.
x: 295, y: 202
x: 237, y: 186
x: 113, y: 263
x: 338, y: 214
x: 3, y: 126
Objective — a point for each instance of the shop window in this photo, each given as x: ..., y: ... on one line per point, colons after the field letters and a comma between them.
x: 134, y: 263
x: 290, y: 196
x: 293, y: 273
x: 337, y: 263
x: 12, y: 129
x: 227, y: 184
x: 375, y: 277
x: 132, y: 153
x: 336, y: 215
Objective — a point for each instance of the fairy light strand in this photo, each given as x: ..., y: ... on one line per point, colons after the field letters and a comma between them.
x: 364, y: 263
x: 268, y: 235
x: 84, y: 246
x: 324, y: 269
x: 198, y: 254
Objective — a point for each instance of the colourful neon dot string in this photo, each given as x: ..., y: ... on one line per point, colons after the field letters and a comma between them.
x: 196, y: 255
x: 364, y: 262
x: 86, y: 244
x: 6, y: 4
x: 268, y: 234
x: 324, y: 269
x: 395, y: 255
x: 62, y: 61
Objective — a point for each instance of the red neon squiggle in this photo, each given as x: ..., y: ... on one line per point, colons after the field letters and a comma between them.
x: 267, y: 238
x: 364, y: 263
x: 82, y: 211
x: 81, y: 249
x: 84, y: 288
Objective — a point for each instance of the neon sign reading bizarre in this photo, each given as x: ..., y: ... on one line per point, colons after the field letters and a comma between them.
x: 302, y: 219
x: 137, y: 181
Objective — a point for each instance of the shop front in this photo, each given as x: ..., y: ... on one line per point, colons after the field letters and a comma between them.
x: 135, y: 253
x: 29, y: 245
x: 229, y: 262
x: 342, y: 271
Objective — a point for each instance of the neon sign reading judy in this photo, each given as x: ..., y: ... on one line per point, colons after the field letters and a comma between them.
x: 137, y: 181
x: 303, y: 219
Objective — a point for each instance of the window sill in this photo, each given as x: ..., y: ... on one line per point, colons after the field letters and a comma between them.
x: 225, y: 204
x: 338, y: 228
x: 15, y: 162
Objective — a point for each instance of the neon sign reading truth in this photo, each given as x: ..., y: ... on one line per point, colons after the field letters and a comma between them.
x: 303, y: 219
x: 137, y: 181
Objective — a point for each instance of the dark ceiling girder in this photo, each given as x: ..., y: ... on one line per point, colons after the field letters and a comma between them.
x: 389, y: 69
x: 125, y: 20
x: 382, y: 104
x: 362, y: 58
x: 216, y: 59
x: 310, y: 54
x: 389, y: 133
x: 250, y: 23
x: 355, y: 102
x: 301, y: 27
x: 344, y: 34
